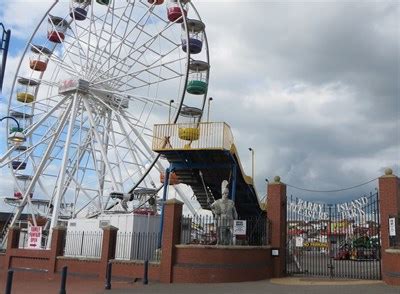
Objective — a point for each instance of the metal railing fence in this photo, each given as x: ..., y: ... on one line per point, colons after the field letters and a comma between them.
x: 83, y: 244
x: 207, y: 230
x: 216, y: 135
x: 137, y: 246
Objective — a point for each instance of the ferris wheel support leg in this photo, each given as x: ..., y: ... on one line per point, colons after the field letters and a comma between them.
x: 105, y: 143
x: 64, y: 163
x: 41, y: 166
x: 98, y: 139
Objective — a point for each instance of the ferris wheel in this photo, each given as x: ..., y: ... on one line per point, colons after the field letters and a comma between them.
x: 94, y: 78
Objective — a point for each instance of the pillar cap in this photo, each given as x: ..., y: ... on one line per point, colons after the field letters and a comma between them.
x: 15, y: 228
x: 388, y: 173
x: 110, y: 228
x: 173, y: 201
x: 60, y: 228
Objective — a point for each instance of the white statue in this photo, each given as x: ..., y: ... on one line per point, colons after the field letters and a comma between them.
x: 225, y: 212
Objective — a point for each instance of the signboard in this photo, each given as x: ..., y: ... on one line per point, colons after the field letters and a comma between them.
x: 316, y: 244
x: 392, y: 227
x: 239, y: 227
x: 299, y: 241
x: 34, y: 237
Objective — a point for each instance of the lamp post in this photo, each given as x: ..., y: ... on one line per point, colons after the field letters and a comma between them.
x: 169, y: 110
x: 4, y: 43
x: 252, y: 163
x: 16, y: 137
x: 208, y: 108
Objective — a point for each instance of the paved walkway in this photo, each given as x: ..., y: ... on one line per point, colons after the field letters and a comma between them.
x: 29, y: 283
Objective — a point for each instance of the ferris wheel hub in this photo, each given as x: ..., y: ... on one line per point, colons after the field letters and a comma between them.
x: 69, y: 86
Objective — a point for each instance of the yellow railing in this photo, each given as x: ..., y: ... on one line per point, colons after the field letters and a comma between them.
x: 184, y: 136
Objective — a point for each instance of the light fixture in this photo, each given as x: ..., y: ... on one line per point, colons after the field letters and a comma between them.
x: 17, y: 137
x: 169, y: 110
x: 252, y: 163
x: 208, y: 108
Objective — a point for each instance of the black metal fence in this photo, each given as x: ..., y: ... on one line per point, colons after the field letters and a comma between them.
x: 207, y: 230
x: 83, y: 244
x: 334, y: 240
x: 137, y: 246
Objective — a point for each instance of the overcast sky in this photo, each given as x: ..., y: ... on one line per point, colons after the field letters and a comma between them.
x: 313, y: 88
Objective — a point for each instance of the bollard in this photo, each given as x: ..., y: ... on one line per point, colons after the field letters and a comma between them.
x: 108, y: 276
x: 10, y: 274
x: 63, y: 280
x: 146, y: 272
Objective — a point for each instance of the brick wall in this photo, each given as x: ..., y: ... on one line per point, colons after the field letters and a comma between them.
x: 179, y: 263
x: 221, y: 264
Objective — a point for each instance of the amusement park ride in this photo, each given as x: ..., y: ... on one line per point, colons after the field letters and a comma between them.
x: 94, y: 78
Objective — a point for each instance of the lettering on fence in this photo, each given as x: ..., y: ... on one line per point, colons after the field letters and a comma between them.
x: 347, y: 210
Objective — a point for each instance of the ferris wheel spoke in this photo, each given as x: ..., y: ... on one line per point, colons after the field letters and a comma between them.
x: 93, y: 74
x: 76, y: 35
x: 81, y: 188
x: 135, y: 73
x: 131, y: 96
x: 108, y: 41
x: 98, y: 139
x: 131, y: 144
x: 99, y: 38
x: 31, y: 129
x: 134, y: 50
x: 159, y: 67
x: 148, y: 43
x: 55, y: 30
x: 109, y: 107
x: 132, y: 45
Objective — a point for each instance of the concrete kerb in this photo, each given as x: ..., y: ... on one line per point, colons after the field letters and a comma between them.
x: 300, y: 281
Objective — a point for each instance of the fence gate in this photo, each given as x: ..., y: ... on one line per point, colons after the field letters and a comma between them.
x: 337, y: 241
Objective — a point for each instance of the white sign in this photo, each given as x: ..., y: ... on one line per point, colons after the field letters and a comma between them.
x: 239, y: 227
x: 299, y: 241
x: 275, y: 252
x: 34, y: 237
x: 392, y: 227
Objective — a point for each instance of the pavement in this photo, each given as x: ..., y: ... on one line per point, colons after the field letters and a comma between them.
x: 31, y: 283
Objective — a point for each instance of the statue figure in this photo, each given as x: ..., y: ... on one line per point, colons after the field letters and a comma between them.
x: 224, y: 212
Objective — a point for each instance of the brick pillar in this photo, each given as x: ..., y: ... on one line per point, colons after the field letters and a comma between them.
x: 57, y: 247
x: 12, y: 243
x: 170, y: 237
x: 108, y: 248
x: 389, y: 205
x: 276, y: 212
x: 389, y: 200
